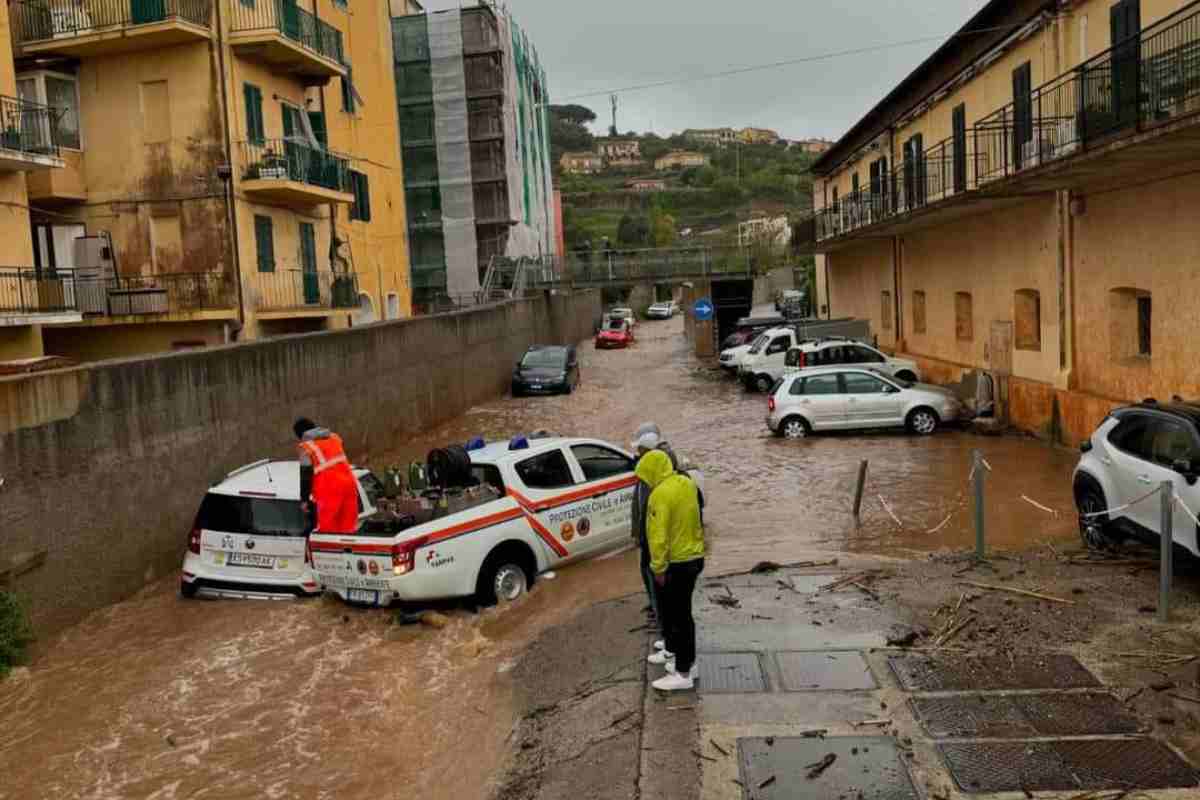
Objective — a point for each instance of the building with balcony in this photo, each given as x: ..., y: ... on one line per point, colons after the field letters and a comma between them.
x: 581, y: 163
x: 680, y: 159
x: 1019, y: 204
x: 757, y: 136
x: 714, y: 137
x: 228, y: 169
x: 474, y: 130
x: 620, y: 152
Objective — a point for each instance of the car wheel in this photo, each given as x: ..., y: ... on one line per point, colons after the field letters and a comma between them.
x: 905, y: 375
x: 570, y: 388
x: 1094, y: 531
x: 504, y: 577
x: 763, y: 383
x: 794, y: 428
x: 188, y: 590
x: 923, y: 421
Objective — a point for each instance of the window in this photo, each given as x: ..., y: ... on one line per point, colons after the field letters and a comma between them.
x: 60, y: 91
x: 259, y: 517
x: 600, y: 462
x: 488, y: 475
x: 308, y: 249
x: 964, y: 322
x: 854, y: 184
x: 1027, y: 313
x: 361, y: 209
x: 1130, y: 320
x: 959, y: 125
x: 828, y: 356
x: 821, y: 384
x: 779, y: 344
x: 373, y: 488
x: 255, y: 129
x: 918, y: 311
x: 863, y: 355
x: 859, y: 383
x: 1132, y: 435
x: 348, y: 90
x: 546, y: 471
x: 885, y: 310
x: 156, y: 112
x: 1170, y: 442
x: 1144, y: 311
x: 264, y: 241
x: 1022, y: 82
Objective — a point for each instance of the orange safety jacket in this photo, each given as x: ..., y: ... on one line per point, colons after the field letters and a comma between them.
x: 328, y: 458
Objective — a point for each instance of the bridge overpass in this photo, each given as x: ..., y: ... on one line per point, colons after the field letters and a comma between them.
x: 621, y: 268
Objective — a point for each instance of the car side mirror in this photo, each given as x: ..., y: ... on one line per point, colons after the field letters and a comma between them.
x: 1184, y: 467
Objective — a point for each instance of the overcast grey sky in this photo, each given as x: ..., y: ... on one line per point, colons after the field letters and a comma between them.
x: 596, y: 46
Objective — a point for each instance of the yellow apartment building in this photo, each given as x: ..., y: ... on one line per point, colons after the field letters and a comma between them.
x: 757, y: 136
x: 29, y: 300
x: 680, y: 159
x: 230, y: 168
x: 1023, y: 203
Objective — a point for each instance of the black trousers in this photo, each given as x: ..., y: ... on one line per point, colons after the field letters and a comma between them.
x: 651, y: 590
x: 679, y: 627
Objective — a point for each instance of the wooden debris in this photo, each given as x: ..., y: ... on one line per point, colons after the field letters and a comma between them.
x: 790, y: 565
x: 1179, y: 696
x: 1021, y: 592
x: 871, y: 722
x: 815, y: 770
x: 840, y: 582
x: 950, y: 634
x: 870, y: 593
x: 766, y: 783
x: 700, y: 755
x: 718, y: 748
x: 818, y: 733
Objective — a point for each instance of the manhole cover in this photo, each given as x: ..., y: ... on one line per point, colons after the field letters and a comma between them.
x: 990, y: 716
x: 730, y: 672
x: 866, y: 767
x: 824, y: 671
x: 943, y: 674
x: 1066, y: 765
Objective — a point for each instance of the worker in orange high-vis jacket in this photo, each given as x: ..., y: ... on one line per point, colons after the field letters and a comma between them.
x: 326, y: 480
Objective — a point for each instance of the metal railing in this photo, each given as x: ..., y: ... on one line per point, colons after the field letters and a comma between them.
x: 621, y: 266
x: 1144, y: 81
x: 296, y: 24
x: 41, y: 20
x: 25, y: 290
x: 28, y: 127
x: 295, y: 289
x: 293, y: 159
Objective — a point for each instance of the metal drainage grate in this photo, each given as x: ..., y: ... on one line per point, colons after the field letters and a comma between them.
x: 865, y: 768
x: 991, y: 716
x: 1066, y: 765
x: 824, y: 671
x: 730, y: 672
x: 1041, y: 671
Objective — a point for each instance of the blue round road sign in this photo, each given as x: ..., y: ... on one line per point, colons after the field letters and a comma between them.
x: 703, y: 309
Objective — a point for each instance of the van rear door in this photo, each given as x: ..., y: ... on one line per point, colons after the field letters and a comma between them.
x: 252, y: 536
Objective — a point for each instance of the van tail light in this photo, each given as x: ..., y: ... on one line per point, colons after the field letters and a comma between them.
x: 771, y: 403
x: 803, y: 360
x: 194, y: 541
x: 404, y: 555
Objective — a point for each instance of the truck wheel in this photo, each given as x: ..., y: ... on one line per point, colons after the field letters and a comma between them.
x: 503, y: 578
x: 187, y: 590
x: 763, y: 383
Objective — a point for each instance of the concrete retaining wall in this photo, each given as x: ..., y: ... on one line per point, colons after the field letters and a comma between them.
x: 104, y: 465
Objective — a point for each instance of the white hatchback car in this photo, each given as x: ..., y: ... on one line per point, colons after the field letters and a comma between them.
x: 1133, y: 452
x: 250, y: 537
x: 664, y: 310
x: 849, y: 398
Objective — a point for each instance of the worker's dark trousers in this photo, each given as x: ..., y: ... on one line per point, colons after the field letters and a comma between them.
x: 651, y: 590
x: 679, y: 627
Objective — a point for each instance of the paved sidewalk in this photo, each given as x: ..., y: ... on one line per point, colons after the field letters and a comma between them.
x: 799, y: 696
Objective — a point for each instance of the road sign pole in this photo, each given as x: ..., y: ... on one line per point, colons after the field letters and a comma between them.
x: 1166, y: 552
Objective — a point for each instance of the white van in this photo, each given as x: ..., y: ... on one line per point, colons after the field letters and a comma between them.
x: 762, y: 365
x: 250, y: 535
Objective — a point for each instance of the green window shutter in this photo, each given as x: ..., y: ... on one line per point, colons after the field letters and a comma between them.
x: 264, y: 240
x: 308, y: 247
x: 317, y: 120
x: 365, y: 190
x: 254, y: 114
x: 347, y: 91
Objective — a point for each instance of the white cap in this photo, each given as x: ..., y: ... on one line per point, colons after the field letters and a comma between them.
x: 643, y: 429
x: 648, y: 441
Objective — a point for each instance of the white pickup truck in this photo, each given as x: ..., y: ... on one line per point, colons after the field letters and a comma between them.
x: 555, y: 501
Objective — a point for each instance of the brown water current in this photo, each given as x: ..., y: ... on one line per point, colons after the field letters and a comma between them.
x: 161, y: 698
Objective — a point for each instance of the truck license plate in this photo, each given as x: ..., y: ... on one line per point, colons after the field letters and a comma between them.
x: 362, y: 596
x: 250, y: 560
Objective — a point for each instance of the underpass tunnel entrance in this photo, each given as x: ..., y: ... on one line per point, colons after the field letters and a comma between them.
x: 732, y: 300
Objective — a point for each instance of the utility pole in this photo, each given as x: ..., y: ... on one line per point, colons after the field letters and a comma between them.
x: 613, y: 129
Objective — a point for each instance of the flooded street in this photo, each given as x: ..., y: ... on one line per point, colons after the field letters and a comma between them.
x: 162, y: 698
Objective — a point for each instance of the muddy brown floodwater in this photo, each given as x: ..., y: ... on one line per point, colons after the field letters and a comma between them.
x: 162, y: 698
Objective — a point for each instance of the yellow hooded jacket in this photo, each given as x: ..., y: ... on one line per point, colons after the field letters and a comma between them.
x: 673, y: 529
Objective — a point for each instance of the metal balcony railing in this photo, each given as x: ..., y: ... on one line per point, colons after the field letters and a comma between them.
x: 28, y: 127
x: 41, y: 20
x: 1144, y: 81
x: 294, y: 289
x: 293, y: 22
x: 293, y: 159
x: 24, y: 290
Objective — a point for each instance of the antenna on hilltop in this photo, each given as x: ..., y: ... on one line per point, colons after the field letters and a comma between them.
x: 613, y: 128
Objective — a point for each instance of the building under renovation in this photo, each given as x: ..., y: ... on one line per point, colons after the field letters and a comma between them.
x: 475, y: 136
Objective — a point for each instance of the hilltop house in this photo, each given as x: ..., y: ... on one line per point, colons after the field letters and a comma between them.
x: 680, y: 159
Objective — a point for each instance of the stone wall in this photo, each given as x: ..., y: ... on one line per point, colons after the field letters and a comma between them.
x: 104, y: 465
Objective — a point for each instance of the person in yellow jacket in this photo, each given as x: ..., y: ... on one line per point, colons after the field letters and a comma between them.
x: 675, y: 538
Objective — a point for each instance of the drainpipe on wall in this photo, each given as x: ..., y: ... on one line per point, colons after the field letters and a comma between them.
x: 897, y: 287
x: 227, y: 143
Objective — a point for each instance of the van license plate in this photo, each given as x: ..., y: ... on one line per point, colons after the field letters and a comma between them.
x: 250, y: 560
x: 362, y: 596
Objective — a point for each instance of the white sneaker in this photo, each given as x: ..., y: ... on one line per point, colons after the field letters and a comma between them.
x: 693, y: 673
x: 660, y: 645
x: 660, y: 657
x: 674, y: 682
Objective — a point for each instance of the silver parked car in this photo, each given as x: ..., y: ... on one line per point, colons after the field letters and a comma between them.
x: 848, y: 398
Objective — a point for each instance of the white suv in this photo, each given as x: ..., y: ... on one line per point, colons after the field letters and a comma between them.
x: 1133, y: 451
x: 250, y: 537
x: 762, y: 372
x: 848, y: 398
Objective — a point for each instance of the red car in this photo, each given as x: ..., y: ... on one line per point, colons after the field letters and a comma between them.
x: 617, y: 333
